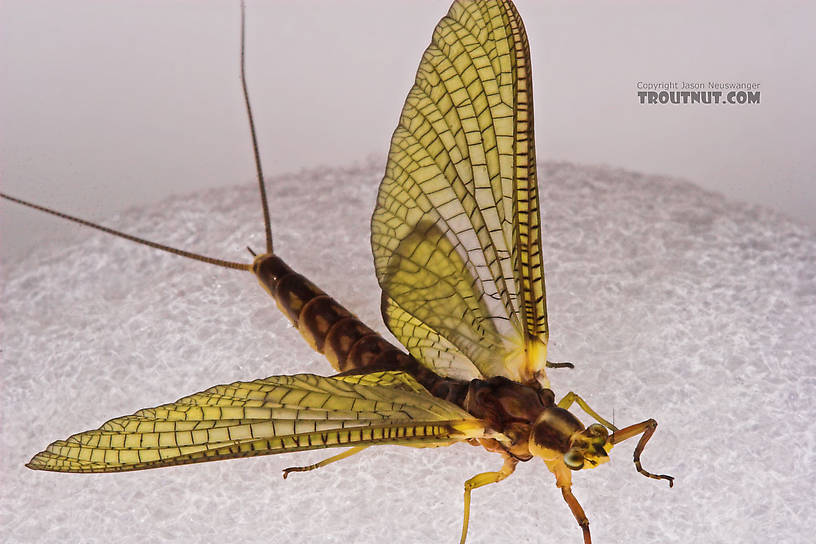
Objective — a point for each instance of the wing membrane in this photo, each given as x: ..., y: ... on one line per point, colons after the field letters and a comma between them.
x: 462, y: 159
x: 428, y: 277
x: 275, y: 415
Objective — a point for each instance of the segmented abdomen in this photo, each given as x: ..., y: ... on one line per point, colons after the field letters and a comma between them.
x: 348, y: 344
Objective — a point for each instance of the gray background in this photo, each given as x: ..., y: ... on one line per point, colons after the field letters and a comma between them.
x: 107, y: 105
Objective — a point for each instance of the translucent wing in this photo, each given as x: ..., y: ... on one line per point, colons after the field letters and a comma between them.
x: 456, y: 234
x: 274, y: 415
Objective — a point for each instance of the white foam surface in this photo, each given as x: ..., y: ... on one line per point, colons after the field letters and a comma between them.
x: 673, y: 302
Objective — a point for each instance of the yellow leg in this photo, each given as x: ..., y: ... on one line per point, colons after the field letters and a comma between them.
x: 348, y: 453
x: 485, y: 478
x: 571, y: 397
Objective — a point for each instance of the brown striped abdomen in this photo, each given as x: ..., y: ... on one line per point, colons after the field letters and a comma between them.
x: 348, y: 344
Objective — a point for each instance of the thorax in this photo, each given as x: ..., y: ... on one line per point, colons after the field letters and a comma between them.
x: 510, y: 408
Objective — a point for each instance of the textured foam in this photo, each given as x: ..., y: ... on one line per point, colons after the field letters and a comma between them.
x: 674, y: 303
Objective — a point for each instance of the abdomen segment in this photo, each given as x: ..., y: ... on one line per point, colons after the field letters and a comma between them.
x: 330, y: 329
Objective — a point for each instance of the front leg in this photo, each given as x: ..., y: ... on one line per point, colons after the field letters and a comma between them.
x: 647, y: 428
x: 571, y: 397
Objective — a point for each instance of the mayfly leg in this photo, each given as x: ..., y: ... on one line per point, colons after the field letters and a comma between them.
x: 645, y: 428
x: 578, y: 512
x: 571, y: 397
x: 485, y: 478
x: 339, y: 457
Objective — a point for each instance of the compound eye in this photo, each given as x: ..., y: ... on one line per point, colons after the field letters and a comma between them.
x: 596, y: 429
x: 574, y: 459
x: 598, y: 433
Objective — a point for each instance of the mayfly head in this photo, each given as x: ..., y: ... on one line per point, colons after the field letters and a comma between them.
x: 588, y: 448
x: 561, y: 440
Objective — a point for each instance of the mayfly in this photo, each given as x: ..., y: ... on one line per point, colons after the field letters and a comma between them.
x: 456, y: 239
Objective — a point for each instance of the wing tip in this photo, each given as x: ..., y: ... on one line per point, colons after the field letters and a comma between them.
x: 39, y: 463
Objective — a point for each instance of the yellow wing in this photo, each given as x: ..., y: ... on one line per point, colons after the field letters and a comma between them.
x: 274, y: 415
x: 456, y: 234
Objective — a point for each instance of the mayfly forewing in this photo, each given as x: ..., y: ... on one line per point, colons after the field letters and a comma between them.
x: 459, y: 200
